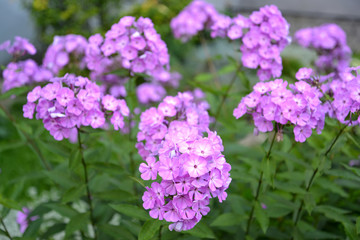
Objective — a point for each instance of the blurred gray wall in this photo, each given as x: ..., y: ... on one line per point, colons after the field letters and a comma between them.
x: 14, y: 21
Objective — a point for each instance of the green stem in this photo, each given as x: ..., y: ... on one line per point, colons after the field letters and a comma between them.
x: 29, y: 140
x: 226, y: 94
x: 92, y: 219
x: 267, y: 157
x: 316, y: 170
x: 5, y: 229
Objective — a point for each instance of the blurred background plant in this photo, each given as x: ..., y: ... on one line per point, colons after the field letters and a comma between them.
x: 58, y: 196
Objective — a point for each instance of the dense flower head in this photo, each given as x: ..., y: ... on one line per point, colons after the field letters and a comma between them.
x: 130, y: 44
x: 65, y: 50
x: 197, y: 16
x: 267, y: 36
x: 17, y: 74
x: 329, y: 41
x: 190, y: 165
x: 20, y: 47
x: 298, y: 104
x: 67, y: 103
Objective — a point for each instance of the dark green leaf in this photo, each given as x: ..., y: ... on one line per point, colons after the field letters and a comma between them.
x: 309, y: 202
x: 201, y: 230
x: 149, y: 229
x: 227, y: 219
x: 116, y: 231
x: 73, y: 193
x: 262, y: 217
x: 15, y: 91
x: 78, y: 222
x: 131, y: 211
x: 62, y: 209
x: 114, y: 195
x: 9, y: 203
x: 56, y: 228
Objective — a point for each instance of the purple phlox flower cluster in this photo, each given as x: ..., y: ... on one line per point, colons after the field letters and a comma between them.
x: 21, y: 73
x: 22, y: 218
x: 129, y: 44
x: 70, y: 102
x: 191, y: 167
x: 65, y: 50
x: 20, y: 47
x: 298, y: 105
x: 264, y: 34
x: 267, y: 36
x: 329, y: 41
x: 345, y: 91
x: 197, y: 16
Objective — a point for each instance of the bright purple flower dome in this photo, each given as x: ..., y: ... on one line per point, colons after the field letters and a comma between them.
x: 191, y: 166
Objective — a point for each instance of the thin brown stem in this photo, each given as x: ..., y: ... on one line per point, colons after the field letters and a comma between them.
x: 29, y: 140
x: 92, y: 219
x: 267, y: 157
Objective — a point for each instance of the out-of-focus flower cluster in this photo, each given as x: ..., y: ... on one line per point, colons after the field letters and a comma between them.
x: 329, y: 41
x: 298, y: 104
x: 17, y: 74
x: 71, y: 102
x: 191, y: 167
x: 264, y: 34
x: 195, y: 17
x: 21, y: 46
x: 65, y: 50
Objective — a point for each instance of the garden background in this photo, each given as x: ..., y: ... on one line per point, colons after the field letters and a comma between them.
x: 46, y: 176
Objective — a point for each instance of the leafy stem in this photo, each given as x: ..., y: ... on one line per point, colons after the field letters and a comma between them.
x: 92, y: 219
x: 211, y: 64
x: 267, y: 157
x: 316, y: 170
x: 29, y: 140
x: 5, y: 229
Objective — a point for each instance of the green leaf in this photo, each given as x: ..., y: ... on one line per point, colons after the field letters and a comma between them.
x: 73, y: 193
x: 54, y: 229
x: 140, y: 181
x: 227, y: 69
x: 149, y: 229
x: 78, y: 222
x: 131, y: 211
x: 33, y: 228
x: 350, y: 231
x: 309, y: 202
x: 14, y: 91
x: 262, y: 217
x: 116, y: 231
x: 358, y: 225
x: 74, y: 159
x: 201, y: 230
x: 115, y: 195
x: 203, y: 77
x: 9, y: 203
x: 62, y: 209
x: 227, y: 219
x: 61, y: 177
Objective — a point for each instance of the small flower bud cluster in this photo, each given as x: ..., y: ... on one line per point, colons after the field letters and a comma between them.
x: 196, y: 17
x: 20, y: 47
x: 17, y: 74
x: 329, y: 41
x: 273, y: 101
x: 191, y: 166
x: 129, y: 44
x: 65, y: 50
x: 71, y: 102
